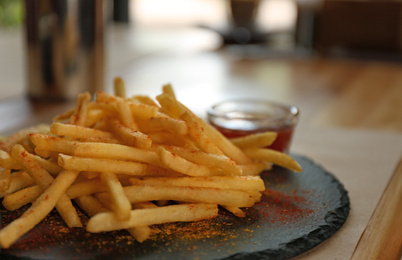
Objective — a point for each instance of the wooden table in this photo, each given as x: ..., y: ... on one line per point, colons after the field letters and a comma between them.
x: 350, y: 122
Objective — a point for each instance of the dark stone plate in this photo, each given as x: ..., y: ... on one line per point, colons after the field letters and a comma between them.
x: 298, y: 211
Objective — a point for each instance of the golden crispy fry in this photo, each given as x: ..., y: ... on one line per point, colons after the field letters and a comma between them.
x: 169, y: 138
x: 80, y: 113
x: 168, y: 89
x: 120, y: 205
x: 257, y: 140
x: 141, y: 193
x: 130, y: 136
x: 253, y: 169
x: 90, y: 205
x: 22, y: 197
x: 39, y: 209
x: 140, y: 233
x: 77, y: 131
x: 22, y: 135
x: 145, y: 100
x: 212, y: 160
x: 144, y: 217
x: 5, y: 179
x: 96, y: 150
x: 85, y: 188
x: 101, y: 165
x: 125, y: 115
x: 181, y: 165
x: 244, y: 183
x: 274, y: 157
x: 235, y: 211
x: 197, y: 134
x: 19, y: 180
x: 160, y: 123
x: 6, y: 161
x: 93, y: 117
x: 119, y: 87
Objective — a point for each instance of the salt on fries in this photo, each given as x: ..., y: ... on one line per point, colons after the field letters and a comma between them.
x: 130, y: 163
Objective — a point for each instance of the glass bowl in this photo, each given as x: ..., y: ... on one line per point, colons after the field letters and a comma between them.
x: 235, y: 118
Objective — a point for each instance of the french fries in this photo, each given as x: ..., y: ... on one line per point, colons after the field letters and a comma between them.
x: 130, y: 163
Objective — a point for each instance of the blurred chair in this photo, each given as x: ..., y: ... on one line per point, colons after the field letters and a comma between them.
x: 356, y: 27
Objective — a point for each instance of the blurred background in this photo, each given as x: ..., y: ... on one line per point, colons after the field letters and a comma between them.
x: 305, y: 52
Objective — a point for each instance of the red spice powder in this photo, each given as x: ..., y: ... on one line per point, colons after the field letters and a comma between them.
x: 284, y: 208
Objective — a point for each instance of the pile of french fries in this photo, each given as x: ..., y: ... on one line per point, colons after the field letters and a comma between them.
x: 130, y: 163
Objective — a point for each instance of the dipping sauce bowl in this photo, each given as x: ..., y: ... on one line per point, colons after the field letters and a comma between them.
x: 235, y: 118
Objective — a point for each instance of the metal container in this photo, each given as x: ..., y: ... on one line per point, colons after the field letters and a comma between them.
x: 64, y: 48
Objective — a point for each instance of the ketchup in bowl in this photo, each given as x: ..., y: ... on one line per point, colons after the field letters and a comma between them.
x: 237, y: 118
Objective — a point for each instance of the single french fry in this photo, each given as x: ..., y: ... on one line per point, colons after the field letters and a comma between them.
x: 244, y: 183
x: 183, y: 166
x: 18, y: 137
x: 168, y: 89
x: 125, y: 115
x: 52, y: 143
x: 49, y: 164
x: 22, y: 197
x: 115, y: 151
x: 275, y: 157
x: 212, y: 160
x: 129, y: 136
x: 238, y: 212
x: 64, y: 116
x: 224, y: 144
x: 5, y: 179
x: 145, y: 100
x: 44, y: 180
x: 90, y: 205
x: 100, y: 140
x: 6, y: 161
x: 140, y: 233
x: 170, y: 138
x: 142, y: 111
x: 97, y: 150
x: 258, y: 140
x: 39, y: 209
x: 101, y: 165
x: 119, y: 87
x: 198, y: 135
x: 93, y: 116
x: 253, y: 169
x: 80, y: 113
x: 19, y: 180
x: 120, y: 205
x: 77, y: 131
x: 141, y: 193
x: 85, y: 188
x: 144, y: 217
x: 160, y: 123
x: 45, y: 154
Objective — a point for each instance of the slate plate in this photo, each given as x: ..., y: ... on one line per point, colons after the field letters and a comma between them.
x: 298, y: 211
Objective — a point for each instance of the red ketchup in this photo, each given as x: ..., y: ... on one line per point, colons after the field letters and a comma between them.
x: 243, y: 117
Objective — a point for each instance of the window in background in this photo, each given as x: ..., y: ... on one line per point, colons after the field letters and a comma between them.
x: 272, y: 15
